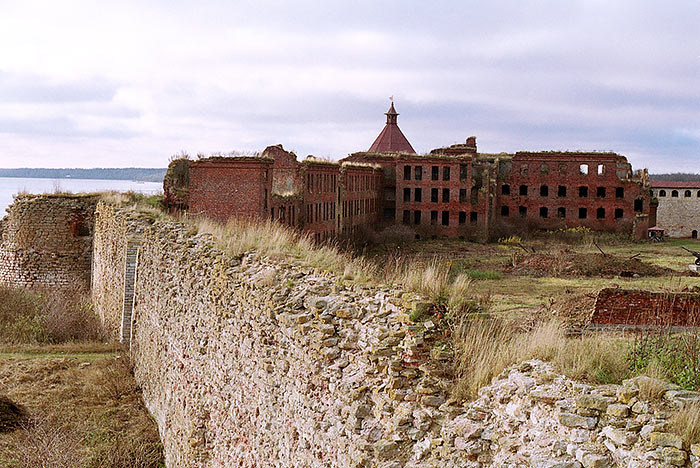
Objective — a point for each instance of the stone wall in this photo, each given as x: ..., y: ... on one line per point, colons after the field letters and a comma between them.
x: 47, y: 241
x: 115, y: 232
x: 632, y: 307
x: 254, y: 362
x: 679, y: 208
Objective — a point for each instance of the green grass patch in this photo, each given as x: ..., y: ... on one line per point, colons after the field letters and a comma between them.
x: 483, y: 274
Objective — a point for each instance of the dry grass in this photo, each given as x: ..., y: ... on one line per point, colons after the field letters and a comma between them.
x: 46, y: 316
x: 84, y: 413
x: 686, y: 423
x: 484, y: 348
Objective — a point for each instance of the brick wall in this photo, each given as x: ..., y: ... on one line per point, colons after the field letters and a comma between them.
x: 360, y: 197
x: 632, y: 307
x: 562, y: 190
x: 286, y: 179
x: 47, y: 241
x: 321, y: 181
x: 226, y: 187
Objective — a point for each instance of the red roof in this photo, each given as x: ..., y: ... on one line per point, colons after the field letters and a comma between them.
x: 675, y: 184
x: 391, y: 139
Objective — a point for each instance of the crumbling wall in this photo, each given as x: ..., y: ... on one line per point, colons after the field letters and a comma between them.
x: 47, y: 241
x: 253, y: 362
x: 176, y: 185
x: 633, y: 307
x: 116, y: 232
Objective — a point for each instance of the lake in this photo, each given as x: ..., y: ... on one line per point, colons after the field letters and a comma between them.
x: 10, y: 186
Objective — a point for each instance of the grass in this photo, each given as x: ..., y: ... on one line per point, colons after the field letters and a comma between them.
x: 484, y: 348
x: 686, y: 423
x: 84, y: 410
x: 46, y: 316
x: 431, y: 279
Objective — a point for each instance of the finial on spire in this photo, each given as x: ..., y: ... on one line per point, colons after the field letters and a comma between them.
x: 391, y: 98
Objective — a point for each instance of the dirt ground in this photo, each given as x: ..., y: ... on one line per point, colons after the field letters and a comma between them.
x: 550, y: 278
x: 80, y: 409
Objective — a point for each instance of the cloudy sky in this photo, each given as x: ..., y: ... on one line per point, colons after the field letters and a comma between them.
x: 121, y: 83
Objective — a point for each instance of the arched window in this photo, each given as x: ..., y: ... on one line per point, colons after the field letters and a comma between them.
x: 686, y: 193
x: 674, y: 194
x: 662, y: 193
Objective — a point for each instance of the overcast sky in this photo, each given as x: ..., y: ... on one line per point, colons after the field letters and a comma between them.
x: 121, y: 83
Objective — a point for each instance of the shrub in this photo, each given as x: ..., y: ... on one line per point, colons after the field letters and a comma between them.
x: 45, y: 444
x: 675, y: 356
x: 46, y: 316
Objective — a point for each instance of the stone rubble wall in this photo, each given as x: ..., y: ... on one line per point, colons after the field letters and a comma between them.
x: 115, y: 230
x: 532, y: 416
x: 46, y: 241
x: 255, y: 362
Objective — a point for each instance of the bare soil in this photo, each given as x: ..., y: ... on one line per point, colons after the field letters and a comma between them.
x: 567, y: 264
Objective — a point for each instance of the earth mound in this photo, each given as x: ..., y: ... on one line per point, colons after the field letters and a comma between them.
x: 11, y: 415
x: 563, y: 264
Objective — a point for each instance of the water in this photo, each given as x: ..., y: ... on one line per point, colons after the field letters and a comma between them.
x: 10, y: 186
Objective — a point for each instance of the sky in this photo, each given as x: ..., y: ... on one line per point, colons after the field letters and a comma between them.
x: 122, y: 83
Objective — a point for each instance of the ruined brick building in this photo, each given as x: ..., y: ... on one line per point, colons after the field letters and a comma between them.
x: 453, y: 191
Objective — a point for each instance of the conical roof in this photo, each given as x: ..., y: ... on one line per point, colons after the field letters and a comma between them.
x: 391, y: 139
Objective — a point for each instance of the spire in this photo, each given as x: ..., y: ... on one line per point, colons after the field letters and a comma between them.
x: 391, y: 115
x: 391, y: 139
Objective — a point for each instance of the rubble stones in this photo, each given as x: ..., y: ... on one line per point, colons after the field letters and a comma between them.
x: 287, y: 379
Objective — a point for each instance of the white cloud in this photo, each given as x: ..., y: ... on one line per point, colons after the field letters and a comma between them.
x: 133, y: 82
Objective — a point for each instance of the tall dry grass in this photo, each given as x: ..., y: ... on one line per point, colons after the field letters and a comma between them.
x: 274, y: 240
x: 47, y: 316
x: 484, y: 348
x: 686, y: 423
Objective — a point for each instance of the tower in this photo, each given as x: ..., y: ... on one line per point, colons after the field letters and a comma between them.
x: 391, y: 139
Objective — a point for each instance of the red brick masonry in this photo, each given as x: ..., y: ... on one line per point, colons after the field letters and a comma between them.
x: 633, y: 307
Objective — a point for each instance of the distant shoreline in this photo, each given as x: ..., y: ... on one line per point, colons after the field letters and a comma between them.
x: 137, y: 174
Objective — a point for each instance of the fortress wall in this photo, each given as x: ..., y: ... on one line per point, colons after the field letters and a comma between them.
x: 115, y: 232
x: 47, y: 241
x: 253, y: 362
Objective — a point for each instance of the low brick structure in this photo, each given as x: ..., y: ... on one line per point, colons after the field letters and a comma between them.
x: 47, y: 241
x: 645, y: 308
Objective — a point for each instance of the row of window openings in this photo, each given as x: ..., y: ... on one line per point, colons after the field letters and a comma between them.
x: 418, y: 173
x: 318, y: 212
x: 561, y: 212
x: 434, y: 195
x: 600, y: 192
x: 282, y: 214
x: 320, y: 183
x: 444, y: 217
x: 563, y: 168
x: 359, y: 207
x: 674, y: 193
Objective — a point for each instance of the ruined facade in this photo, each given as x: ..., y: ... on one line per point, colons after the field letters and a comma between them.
x: 46, y: 241
x: 451, y: 192
x: 679, y: 207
